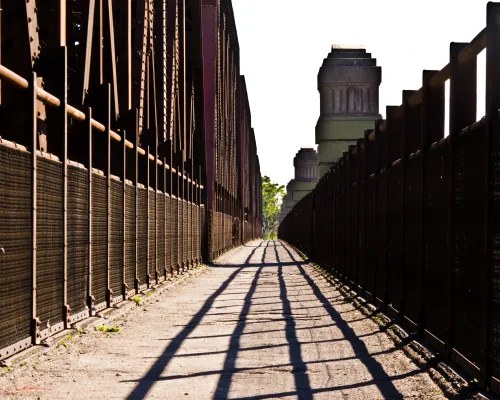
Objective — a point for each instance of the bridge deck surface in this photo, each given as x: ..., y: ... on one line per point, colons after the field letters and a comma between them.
x: 261, y: 324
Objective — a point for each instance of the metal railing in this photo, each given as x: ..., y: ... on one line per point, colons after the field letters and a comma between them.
x: 410, y: 219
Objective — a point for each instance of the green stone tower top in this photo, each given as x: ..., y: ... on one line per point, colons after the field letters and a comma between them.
x: 348, y: 84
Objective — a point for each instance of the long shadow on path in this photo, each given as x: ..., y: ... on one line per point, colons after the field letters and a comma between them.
x: 380, y: 376
x: 154, y: 373
x: 224, y: 384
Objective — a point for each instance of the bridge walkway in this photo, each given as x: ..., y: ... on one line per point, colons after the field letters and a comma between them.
x: 260, y: 324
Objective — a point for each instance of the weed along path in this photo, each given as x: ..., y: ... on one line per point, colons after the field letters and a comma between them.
x: 260, y: 324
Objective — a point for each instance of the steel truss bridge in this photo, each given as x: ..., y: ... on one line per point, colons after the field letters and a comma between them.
x: 127, y: 153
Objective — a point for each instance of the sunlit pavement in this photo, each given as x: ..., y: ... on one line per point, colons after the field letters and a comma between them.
x: 261, y: 324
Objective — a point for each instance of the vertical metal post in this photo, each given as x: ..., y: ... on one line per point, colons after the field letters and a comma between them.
x: 107, y: 90
x: 90, y: 298
x: 148, y: 254
x: 135, y: 116
x: 188, y: 227
x: 157, y: 277
x: 62, y: 23
x: 179, y: 229
x: 193, y: 210
x: 63, y: 93
x: 34, y: 145
x: 165, y: 217
x: 196, y: 227
x: 1, y: 49
x: 124, y: 215
x: 170, y: 214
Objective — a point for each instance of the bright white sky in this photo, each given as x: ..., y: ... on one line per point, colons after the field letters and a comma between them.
x: 283, y: 43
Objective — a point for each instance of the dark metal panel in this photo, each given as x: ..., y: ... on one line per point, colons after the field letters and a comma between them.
x: 370, y: 235
x: 15, y: 246
x: 494, y: 321
x: 142, y: 235
x: 130, y: 239
x: 185, y: 232
x: 161, y: 243
x: 469, y: 239
x: 116, y: 240
x: 381, y: 238
x: 413, y: 240
x: 394, y: 238
x: 435, y: 256
x: 50, y: 271
x: 99, y: 240
x: 174, y: 205
x: 352, y: 266
x: 360, y: 236
x: 168, y: 234
x: 78, y: 243
x: 152, y: 237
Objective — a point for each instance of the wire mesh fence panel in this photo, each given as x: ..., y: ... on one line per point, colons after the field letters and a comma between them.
x: 160, y: 229
x: 116, y: 238
x: 381, y: 237
x: 130, y: 236
x: 15, y: 247
x: 495, y: 255
x: 168, y: 233
x: 174, y: 230
x: 203, y: 217
x: 99, y: 238
x: 142, y: 235
x: 413, y: 239
x: 435, y: 253
x: 185, y: 231
x: 78, y: 238
x: 470, y: 198
x: 395, y: 237
x: 343, y: 233
x: 353, y: 234
x: 360, y: 237
x: 152, y: 234
x: 50, y: 272
x: 370, y: 235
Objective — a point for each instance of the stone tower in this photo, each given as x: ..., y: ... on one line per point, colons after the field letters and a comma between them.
x: 306, y: 177
x: 348, y: 83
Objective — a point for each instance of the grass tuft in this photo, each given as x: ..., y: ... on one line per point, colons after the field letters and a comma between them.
x: 104, y: 328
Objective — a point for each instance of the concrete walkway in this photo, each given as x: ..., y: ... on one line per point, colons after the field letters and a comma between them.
x: 261, y: 324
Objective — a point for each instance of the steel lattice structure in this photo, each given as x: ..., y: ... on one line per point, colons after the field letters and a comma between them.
x: 126, y: 153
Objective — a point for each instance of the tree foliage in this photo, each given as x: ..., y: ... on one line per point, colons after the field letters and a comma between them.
x: 272, y: 197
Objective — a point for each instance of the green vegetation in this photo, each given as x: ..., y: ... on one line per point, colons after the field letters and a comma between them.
x: 104, y: 328
x: 272, y: 197
x: 137, y: 300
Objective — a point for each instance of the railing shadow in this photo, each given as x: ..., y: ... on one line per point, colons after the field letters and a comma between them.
x: 224, y: 383
x: 146, y: 383
x: 303, y: 388
x: 380, y: 376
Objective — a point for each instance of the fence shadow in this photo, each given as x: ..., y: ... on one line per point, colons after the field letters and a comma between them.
x: 282, y: 261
